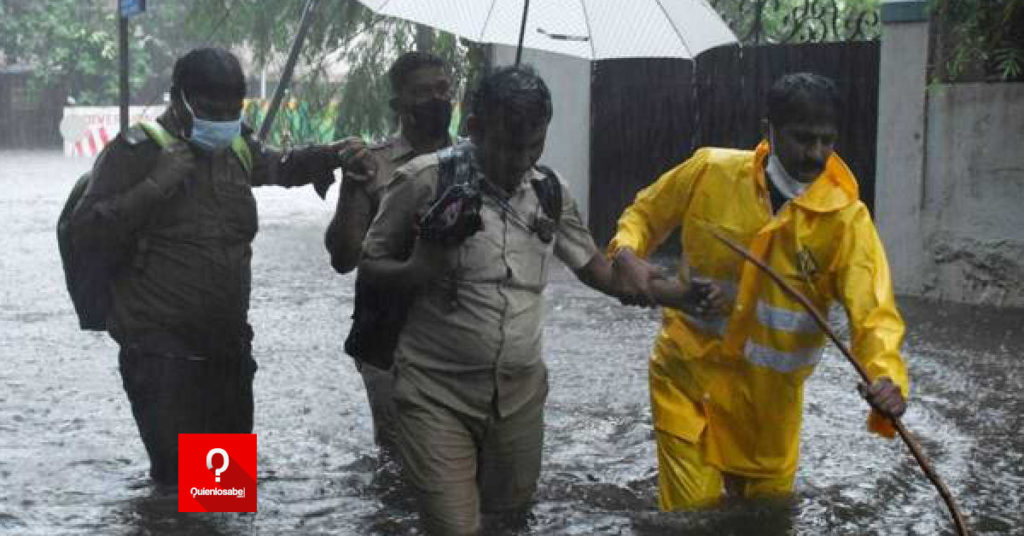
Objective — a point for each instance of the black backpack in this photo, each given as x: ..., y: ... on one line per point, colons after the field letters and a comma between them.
x: 379, y: 314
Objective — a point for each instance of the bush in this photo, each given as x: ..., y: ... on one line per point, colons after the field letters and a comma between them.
x: 978, y: 40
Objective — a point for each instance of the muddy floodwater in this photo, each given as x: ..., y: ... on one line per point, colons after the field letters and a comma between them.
x: 71, y: 461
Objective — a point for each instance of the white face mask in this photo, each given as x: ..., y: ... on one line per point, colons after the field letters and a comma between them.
x: 788, y: 186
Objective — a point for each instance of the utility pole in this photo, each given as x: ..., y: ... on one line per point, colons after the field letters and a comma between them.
x: 122, y: 38
x: 125, y: 9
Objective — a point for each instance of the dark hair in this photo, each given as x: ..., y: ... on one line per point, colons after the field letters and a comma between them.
x: 518, y: 92
x: 406, y: 64
x: 209, y: 71
x: 803, y: 97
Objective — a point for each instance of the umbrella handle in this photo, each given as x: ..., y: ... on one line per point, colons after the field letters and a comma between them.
x: 911, y: 442
x: 522, y: 31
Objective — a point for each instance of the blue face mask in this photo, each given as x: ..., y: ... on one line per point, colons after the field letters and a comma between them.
x: 212, y: 135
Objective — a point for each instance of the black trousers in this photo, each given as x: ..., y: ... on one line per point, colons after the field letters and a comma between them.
x: 178, y: 394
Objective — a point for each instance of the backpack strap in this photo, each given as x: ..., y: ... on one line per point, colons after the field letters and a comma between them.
x: 164, y: 139
x: 549, y: 192
x: 454, y: 166
x: 158, y: 133
x: 241, y: 149
x: 445, y: 170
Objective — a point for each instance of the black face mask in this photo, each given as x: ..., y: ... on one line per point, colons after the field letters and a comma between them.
x: 431, y: 118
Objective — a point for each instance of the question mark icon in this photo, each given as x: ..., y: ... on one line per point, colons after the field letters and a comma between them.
x: 209, y: 461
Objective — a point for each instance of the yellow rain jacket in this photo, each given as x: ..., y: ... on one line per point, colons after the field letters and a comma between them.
x: 738, y: 379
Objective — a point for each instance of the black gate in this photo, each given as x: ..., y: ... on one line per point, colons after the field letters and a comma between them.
x: 649, y: 114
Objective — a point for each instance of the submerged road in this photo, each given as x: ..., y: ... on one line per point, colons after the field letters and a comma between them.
x: 71, y: 461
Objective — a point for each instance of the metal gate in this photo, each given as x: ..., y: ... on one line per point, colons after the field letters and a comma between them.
x: 648, y: 115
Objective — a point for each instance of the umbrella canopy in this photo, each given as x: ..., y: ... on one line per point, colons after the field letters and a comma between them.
x: 592, y: 29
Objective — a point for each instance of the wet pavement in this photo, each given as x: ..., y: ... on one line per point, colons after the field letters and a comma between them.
x: 71, y: 461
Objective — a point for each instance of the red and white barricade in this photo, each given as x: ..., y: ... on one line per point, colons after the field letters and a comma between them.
x: 87, y: 129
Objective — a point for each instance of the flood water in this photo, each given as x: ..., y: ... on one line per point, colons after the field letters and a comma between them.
x: 71, y: 461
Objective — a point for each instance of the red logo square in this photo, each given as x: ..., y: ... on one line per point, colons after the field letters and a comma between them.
x: 216, y: 472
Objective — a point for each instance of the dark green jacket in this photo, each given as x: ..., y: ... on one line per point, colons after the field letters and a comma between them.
x: 184, y: 260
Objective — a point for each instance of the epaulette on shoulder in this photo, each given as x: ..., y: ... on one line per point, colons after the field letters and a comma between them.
x: 136, y: 135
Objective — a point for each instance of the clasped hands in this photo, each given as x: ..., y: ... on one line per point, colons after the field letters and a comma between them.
x: 642, y: 284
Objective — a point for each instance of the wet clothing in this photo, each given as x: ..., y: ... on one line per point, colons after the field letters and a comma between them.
x: 734, y: 384
x: 171, y: 394
x: 389, y: 156
x: 182, y: 290
x: 687, y: 480
x: 464, y: 465
x: 471, y: 347
x: 189, y: 272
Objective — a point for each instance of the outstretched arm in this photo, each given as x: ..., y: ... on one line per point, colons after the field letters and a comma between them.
x: 657, y: 210
x: 344, y: 236
x: 356, y: 207
x: 864, y: 287
x: 599, y: 275
x: 312, y: 164
x: 699, y: 297
x: 634, y: 277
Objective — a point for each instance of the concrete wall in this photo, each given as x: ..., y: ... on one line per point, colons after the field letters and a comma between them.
x: 950, y: 178
x: 899, y: 174
x: 568, y: 145
x: 973, y: 210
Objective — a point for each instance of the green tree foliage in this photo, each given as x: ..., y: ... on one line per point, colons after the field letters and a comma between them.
x: 73, y: 44
x: 70, y: 44
x: 979, y: 40
x: 343, y: 33
x: 791, y: 21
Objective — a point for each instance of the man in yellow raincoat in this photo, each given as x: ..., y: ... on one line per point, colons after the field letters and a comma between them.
x: 727, y: 378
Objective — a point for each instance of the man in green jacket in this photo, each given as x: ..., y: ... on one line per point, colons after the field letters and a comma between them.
x: 170, y: 212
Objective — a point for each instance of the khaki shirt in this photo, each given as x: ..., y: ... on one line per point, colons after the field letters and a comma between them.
x: 389, y: 155
x: 349, y: 225
x: 473, y: 340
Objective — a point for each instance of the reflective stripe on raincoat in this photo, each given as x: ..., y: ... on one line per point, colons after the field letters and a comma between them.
x: 740, y: 378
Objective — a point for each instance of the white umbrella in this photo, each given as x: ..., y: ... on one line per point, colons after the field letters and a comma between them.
x: 591, y: 29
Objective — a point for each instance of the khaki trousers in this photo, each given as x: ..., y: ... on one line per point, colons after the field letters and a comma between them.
x: 462, y: 466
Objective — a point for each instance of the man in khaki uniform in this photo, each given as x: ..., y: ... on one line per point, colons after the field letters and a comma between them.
x: 470, y: 383
x: 421, y: 89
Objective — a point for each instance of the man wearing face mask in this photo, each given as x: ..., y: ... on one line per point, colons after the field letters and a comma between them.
x: 170, y: 213
x: 421, y: 91
x: 470, y: 381
x: 727, y: 381
x: 421, y: 97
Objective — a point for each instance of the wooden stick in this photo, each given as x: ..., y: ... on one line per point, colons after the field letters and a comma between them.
x: 915, y: 447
